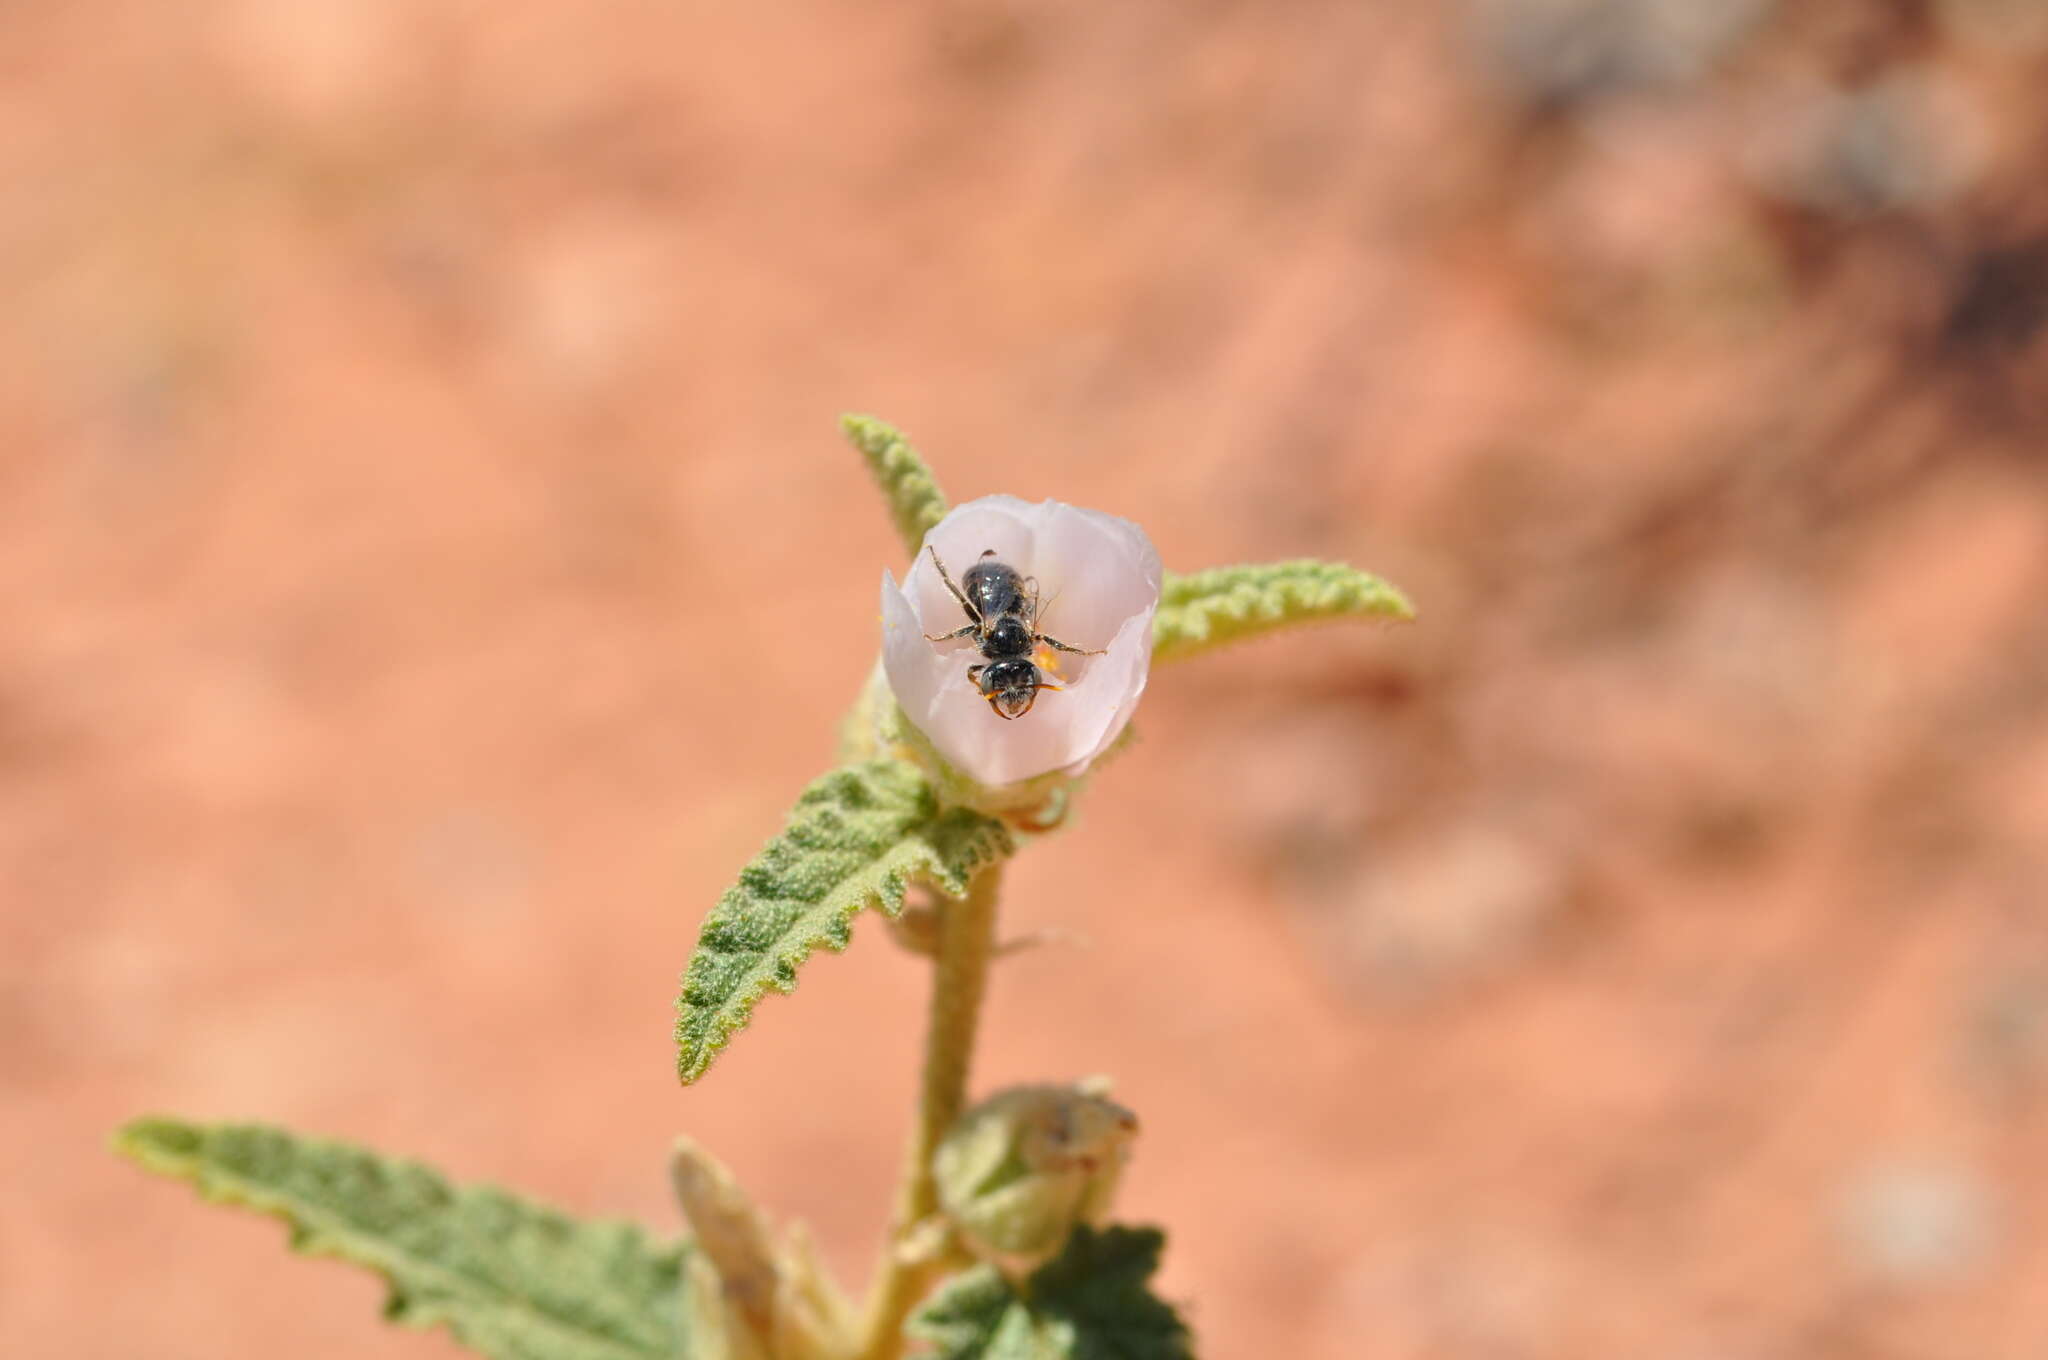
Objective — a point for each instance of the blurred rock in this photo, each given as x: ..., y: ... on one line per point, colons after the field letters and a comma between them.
x: 1908, y: 141
x: 1567, y: 51
x: 1914, y: 1224
x: 2001, y: 301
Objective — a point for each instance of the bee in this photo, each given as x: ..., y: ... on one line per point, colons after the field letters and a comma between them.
x: 1002, y: 611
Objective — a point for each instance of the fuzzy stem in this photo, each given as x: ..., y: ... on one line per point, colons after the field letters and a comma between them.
x: 966, y: 943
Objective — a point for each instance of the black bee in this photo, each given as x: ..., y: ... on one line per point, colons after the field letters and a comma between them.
x: 1003, y: 621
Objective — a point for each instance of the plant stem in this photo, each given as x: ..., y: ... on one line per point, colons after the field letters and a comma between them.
x: 966, y: 943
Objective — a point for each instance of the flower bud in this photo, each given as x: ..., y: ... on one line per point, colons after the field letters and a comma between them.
x: 1017, y: 1172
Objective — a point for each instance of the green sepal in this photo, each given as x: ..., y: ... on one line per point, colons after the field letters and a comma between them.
x: 1020, y: 1169
x: 1226, y: 604
x: 510, y: 1279
x: 915, y: 501
x: 1091, y: 1302
x: 856, y: 839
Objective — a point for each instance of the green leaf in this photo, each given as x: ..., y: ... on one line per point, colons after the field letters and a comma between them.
x: 915, y: 501
x: 1091, y: 1302
x: 856, y: 839
x: 1226, y: 604
x: 510, y: 1279
x: 963, y: 1317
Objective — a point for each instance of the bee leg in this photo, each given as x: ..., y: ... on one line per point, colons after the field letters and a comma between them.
x: 1057, y: 645
x: 974, y: 674
x: 967, y: 630
x: 947, y: 577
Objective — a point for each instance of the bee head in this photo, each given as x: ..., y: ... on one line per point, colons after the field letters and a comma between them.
x: 1013, y: 703
x: 1010, y: 687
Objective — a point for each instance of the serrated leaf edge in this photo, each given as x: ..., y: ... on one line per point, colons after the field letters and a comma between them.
x: 1128, y: 1251
x: 319, y: 1235
x: 1286, y: 594
x: 909, y: 860
x: 880, y: 882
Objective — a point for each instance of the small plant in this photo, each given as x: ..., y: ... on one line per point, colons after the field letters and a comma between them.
x: 974, y: 734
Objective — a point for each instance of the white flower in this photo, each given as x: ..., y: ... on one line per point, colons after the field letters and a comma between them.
x: 1095, y: 579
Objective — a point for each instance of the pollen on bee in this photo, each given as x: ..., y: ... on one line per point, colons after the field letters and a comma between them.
x: 1046, y: 659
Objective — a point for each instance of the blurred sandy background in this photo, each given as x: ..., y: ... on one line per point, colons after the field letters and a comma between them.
x: 429, y: 569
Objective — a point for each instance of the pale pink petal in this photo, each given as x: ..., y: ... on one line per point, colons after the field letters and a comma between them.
x: 1099, y: 580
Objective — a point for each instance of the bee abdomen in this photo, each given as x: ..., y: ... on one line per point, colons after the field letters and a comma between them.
x: 995, y: 587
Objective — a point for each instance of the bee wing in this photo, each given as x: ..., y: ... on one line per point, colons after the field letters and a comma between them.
x: 1039, y: 609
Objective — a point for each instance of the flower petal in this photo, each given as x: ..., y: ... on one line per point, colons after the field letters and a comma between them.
x: 1098, y: 579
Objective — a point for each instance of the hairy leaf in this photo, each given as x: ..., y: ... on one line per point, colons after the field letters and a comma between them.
x: 856, y: 839
x: 1091, y: 1302
x: 915, y: 501
x: 1223, y: 604
x: 509, y: 1278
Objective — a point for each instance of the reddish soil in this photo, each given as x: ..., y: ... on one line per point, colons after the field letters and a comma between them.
x: 429, y: 570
